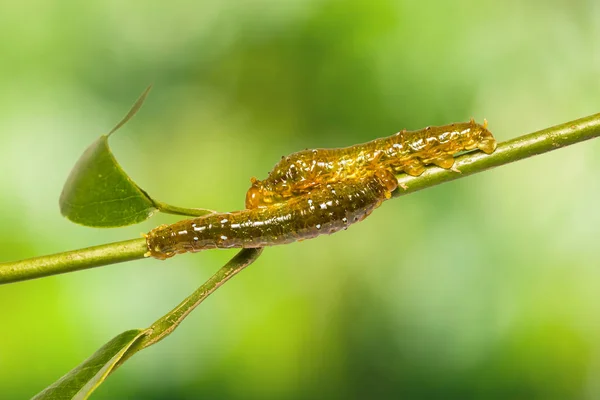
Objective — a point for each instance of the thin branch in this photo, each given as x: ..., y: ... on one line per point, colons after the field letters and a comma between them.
x: 75, y: 260
x: 188, y: 212
x: 513, y: 150
x: 166, y: 324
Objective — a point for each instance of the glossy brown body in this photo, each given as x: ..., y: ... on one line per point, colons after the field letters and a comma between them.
x: 406, y: 151
x: 325, y: 210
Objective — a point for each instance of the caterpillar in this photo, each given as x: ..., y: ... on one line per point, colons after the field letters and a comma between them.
x: 406, y: 151
x: 325, y: 210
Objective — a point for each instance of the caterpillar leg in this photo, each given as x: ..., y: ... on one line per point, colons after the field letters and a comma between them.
x: 445, y: 161
x: 148, y: 253
x: 414, y: 168
x: 487, y: 145
x: 388, y: 179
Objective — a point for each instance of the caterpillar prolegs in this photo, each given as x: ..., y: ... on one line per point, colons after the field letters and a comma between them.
x: 325, y: 210
x: 406, y: 151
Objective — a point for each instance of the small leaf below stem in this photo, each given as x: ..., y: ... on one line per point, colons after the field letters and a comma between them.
x: 82, y: 380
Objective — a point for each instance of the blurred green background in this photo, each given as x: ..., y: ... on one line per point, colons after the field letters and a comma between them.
x: 484, y: 288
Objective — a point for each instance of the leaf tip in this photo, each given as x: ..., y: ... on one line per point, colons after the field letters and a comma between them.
x: 134, y: 109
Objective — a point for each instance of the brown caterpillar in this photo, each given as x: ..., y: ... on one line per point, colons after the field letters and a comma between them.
x: 406, y: 151
x: 325, y: 210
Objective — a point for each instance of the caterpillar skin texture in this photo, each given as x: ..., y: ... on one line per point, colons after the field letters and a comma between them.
x: 406, y: 151
x: 325, y: 210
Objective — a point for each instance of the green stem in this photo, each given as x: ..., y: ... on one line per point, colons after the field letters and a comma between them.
x: 75, y: 260
x: 168, y: 322
x: 188, y: 212
x: 516, y: 149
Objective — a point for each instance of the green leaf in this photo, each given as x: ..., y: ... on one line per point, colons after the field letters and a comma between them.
x: 82, y: 380
x: 99, y: 193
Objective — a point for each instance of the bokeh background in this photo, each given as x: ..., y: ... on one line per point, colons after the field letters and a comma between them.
x: 484, y: 288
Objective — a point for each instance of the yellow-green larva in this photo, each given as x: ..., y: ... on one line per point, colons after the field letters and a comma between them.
x: 325, y: 210
x: 406, y: 151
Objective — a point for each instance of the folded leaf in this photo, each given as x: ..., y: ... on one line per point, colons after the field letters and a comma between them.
x: 82, y: 380
x: 99, y: 193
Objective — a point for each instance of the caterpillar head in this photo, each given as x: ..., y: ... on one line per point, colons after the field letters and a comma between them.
x: 254, y: 194
x: 260, y: 194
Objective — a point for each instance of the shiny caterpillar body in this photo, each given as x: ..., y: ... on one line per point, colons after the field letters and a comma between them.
x: 406, y: 151
x: 321, y: 191
x: 325, y: 210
